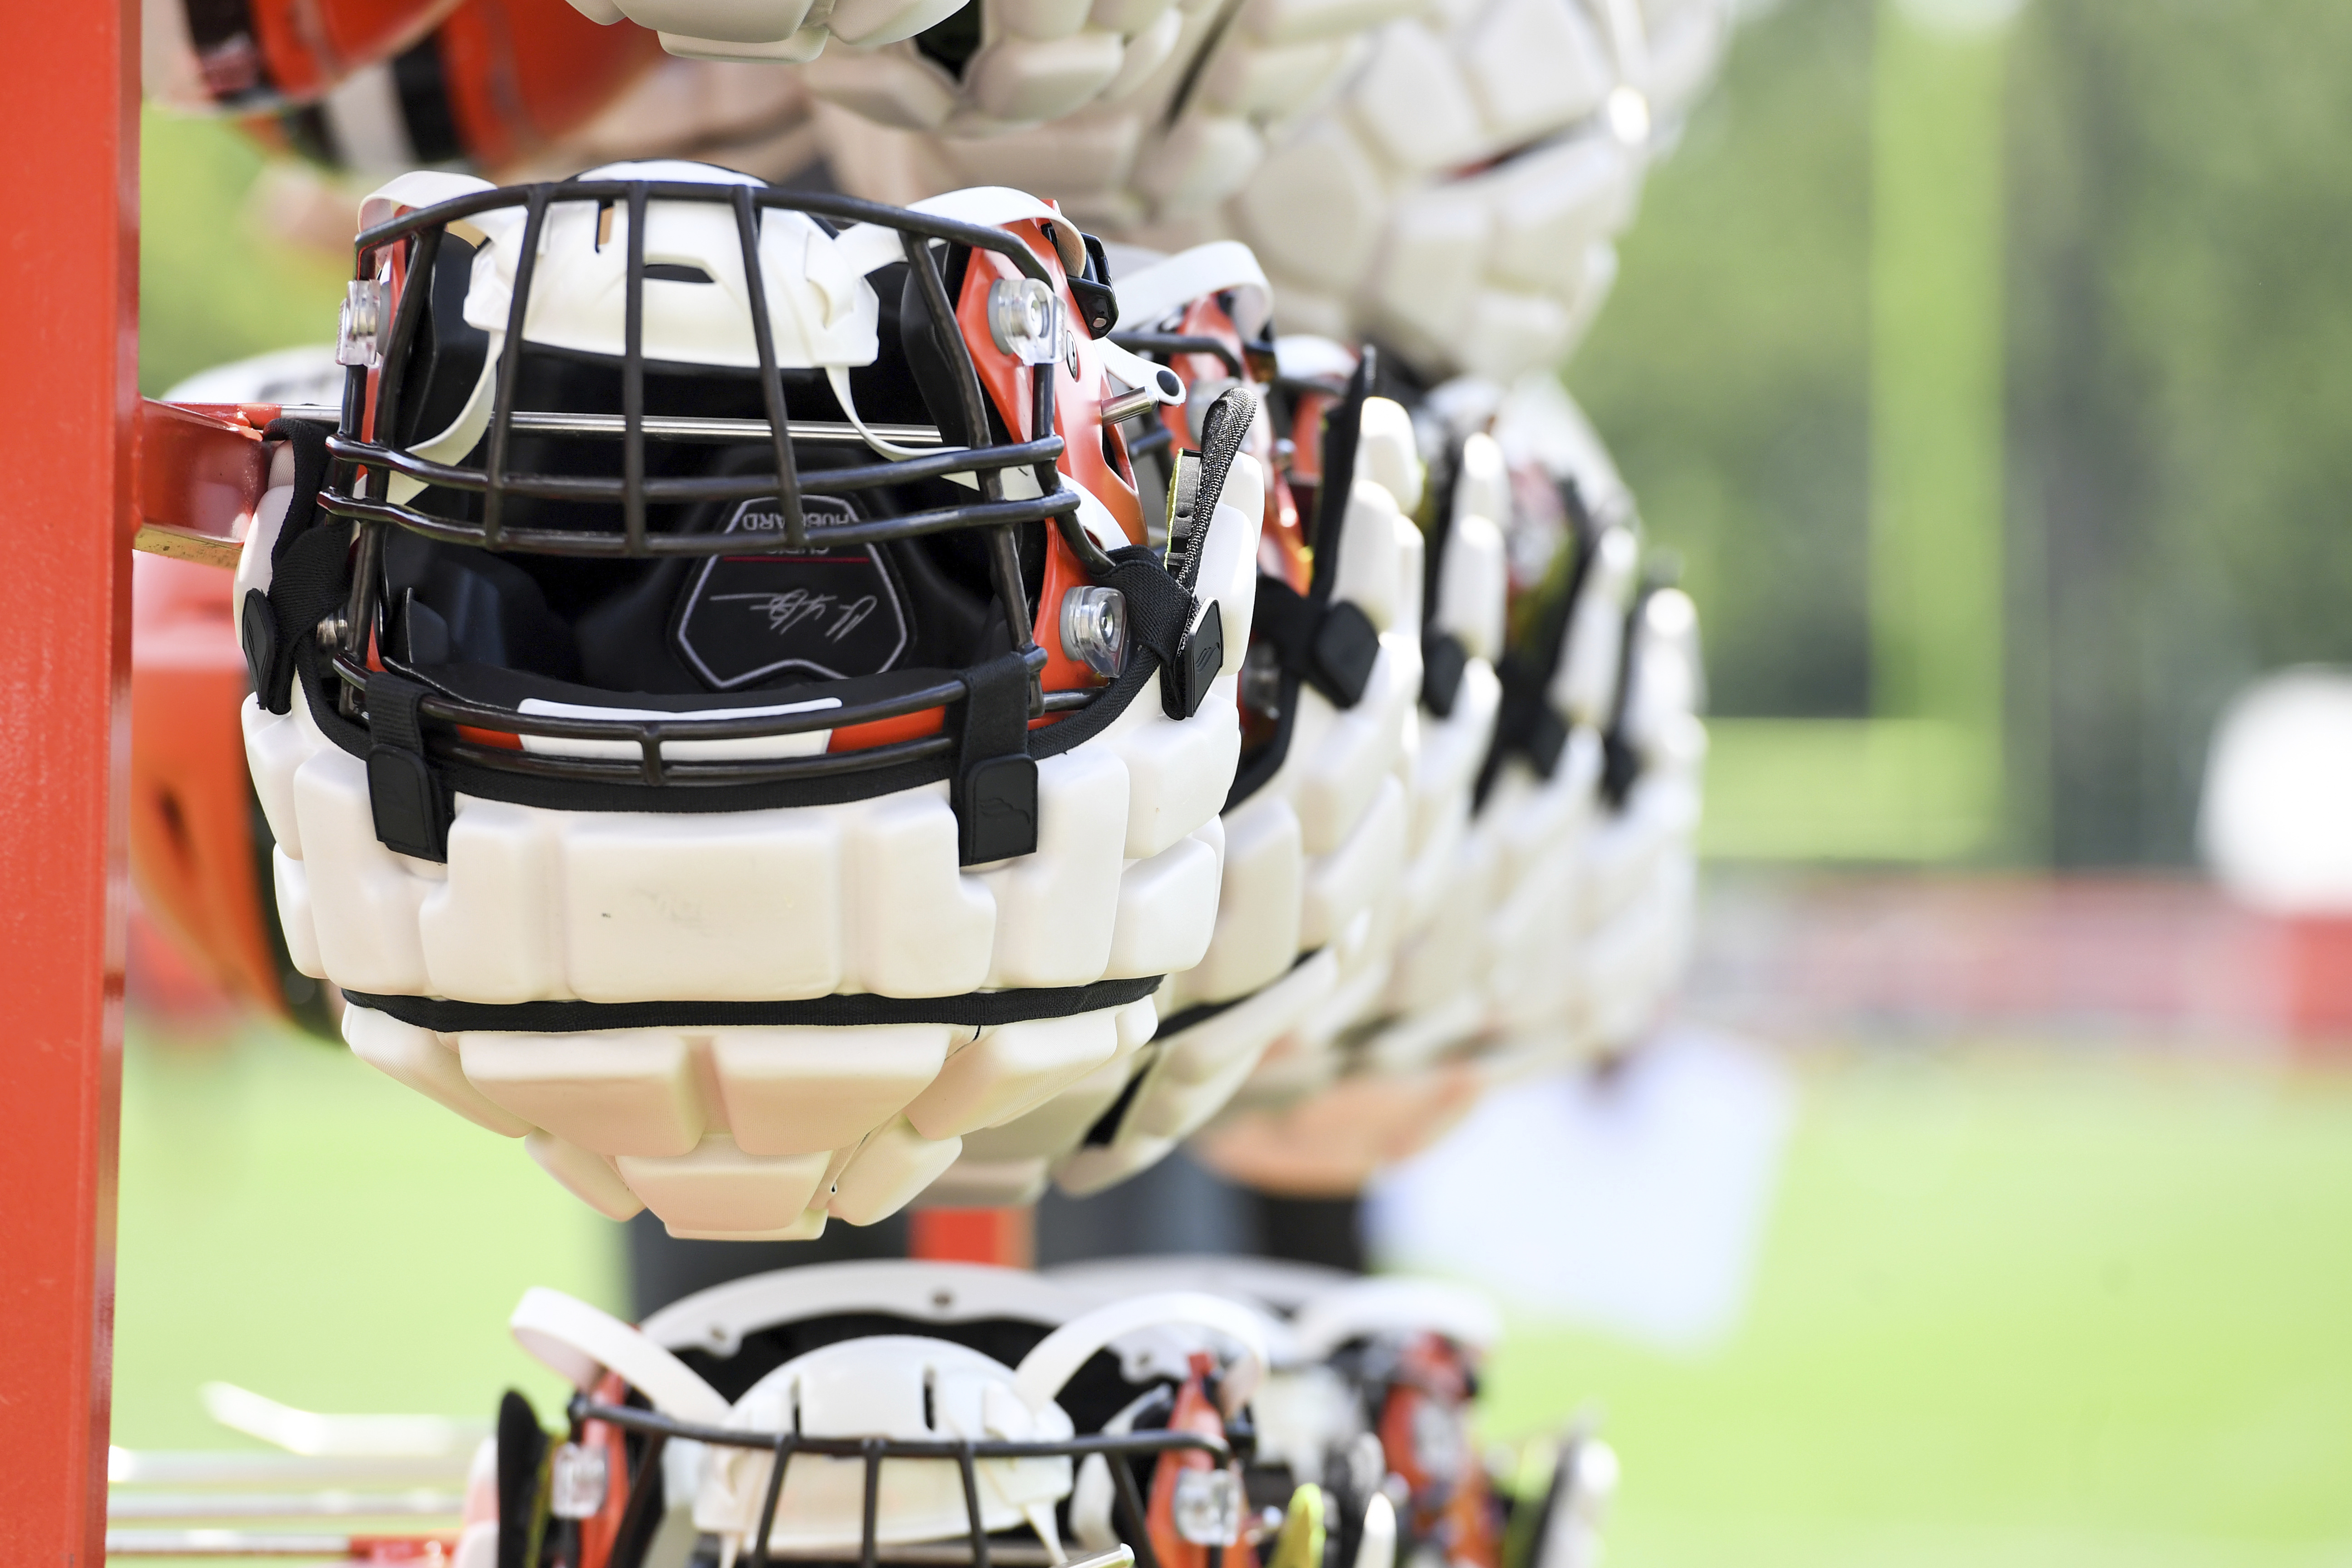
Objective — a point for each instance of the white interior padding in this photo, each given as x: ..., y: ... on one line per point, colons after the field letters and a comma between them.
x: 885, y: 1385
x: 580, y: 1343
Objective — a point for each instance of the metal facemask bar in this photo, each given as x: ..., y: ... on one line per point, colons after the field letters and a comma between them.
x: 359, y: 486
x: 1119, y: 1449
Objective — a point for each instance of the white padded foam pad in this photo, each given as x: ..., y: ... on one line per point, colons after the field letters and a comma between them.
x: 1129, y: 111
x: 1368, y: 226
x: 581, y: 1343
x: 765, y: 1130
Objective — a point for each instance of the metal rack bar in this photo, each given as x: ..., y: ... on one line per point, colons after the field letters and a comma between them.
x: 68, y: 332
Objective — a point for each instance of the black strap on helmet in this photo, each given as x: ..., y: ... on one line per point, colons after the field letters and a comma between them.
x: 995, y: 789
x: 1329, y: 646
x: 1442, y: 657
x: 308, y: 571
x: 413, y: 811
x: 1528, y: 725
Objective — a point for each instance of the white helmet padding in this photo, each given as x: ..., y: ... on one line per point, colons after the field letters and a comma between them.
x: 1058, y: 1357
x: 718, y: 1319
x: 581, y: 1343
x: 1367, y: 1309
x: 1456, y: 200
x: 1166, y: 286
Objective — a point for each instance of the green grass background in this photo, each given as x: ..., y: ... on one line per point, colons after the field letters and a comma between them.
x: 295, y: 1222
x: 2020, y: 1307
x: 2016, y: 1308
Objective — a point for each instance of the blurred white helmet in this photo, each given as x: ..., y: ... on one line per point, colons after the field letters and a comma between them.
x: 1457, y: 201
x: 1128, y: 112
x: 2276, y: 826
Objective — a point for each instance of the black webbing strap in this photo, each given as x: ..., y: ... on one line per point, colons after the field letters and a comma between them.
x: 1199, y: 482
x: 1526, y: 725
x: 1331, y: 646
x: 1444, y: 660
x: 412, y: 809
x: 995, y: 786
x: 308, y: 571
x: 1297, y: 626
x: 1621, y: 764
x: 975, y: 1009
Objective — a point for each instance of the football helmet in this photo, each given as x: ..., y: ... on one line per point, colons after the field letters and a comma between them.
x: 1129, y: 112
x: 200, y: 848
x: 1456, y: 201
x: 840, y: 1424
x: 207, y: 56
x: 497, y: 82
x: 1368, y: 1396
x: 1116, y: 1378
x: 1560, y: 920
x: 736, y: 739
x: 1315, y: 828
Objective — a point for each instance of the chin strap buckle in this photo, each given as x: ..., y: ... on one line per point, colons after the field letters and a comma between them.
x: 413, y: 811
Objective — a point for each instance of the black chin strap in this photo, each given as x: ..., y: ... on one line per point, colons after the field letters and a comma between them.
x: 310, y: 571
x: 995, y: 786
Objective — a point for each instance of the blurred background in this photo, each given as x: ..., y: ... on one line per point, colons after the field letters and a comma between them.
x: 1989, y: 367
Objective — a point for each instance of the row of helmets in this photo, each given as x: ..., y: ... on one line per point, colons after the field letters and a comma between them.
x: 1447, y: 181
x: 1095, y: 723
x: 1040, y: 753
x: 1176, y: 1413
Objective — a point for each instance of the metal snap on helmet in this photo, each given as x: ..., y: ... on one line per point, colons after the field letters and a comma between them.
x: 735, y: 737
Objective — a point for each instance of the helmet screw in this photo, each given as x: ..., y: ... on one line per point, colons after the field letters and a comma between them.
x: 1094, y: 629
x: 1024, y: 319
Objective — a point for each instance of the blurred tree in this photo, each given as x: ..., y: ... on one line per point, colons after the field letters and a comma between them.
x: 2179, y: 385
x: 1730, y: 371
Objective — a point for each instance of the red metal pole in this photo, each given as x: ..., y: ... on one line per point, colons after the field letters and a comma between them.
x: 69, y: 387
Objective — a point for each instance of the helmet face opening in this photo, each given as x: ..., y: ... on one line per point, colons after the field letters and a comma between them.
x: 636, y: 459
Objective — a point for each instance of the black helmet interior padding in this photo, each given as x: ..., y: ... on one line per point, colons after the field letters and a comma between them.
x: 675, y: 624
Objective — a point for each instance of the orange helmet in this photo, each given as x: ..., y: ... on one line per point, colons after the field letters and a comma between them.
x: 200, y: 850
x: 209, y: 55
x: 497, y: 82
